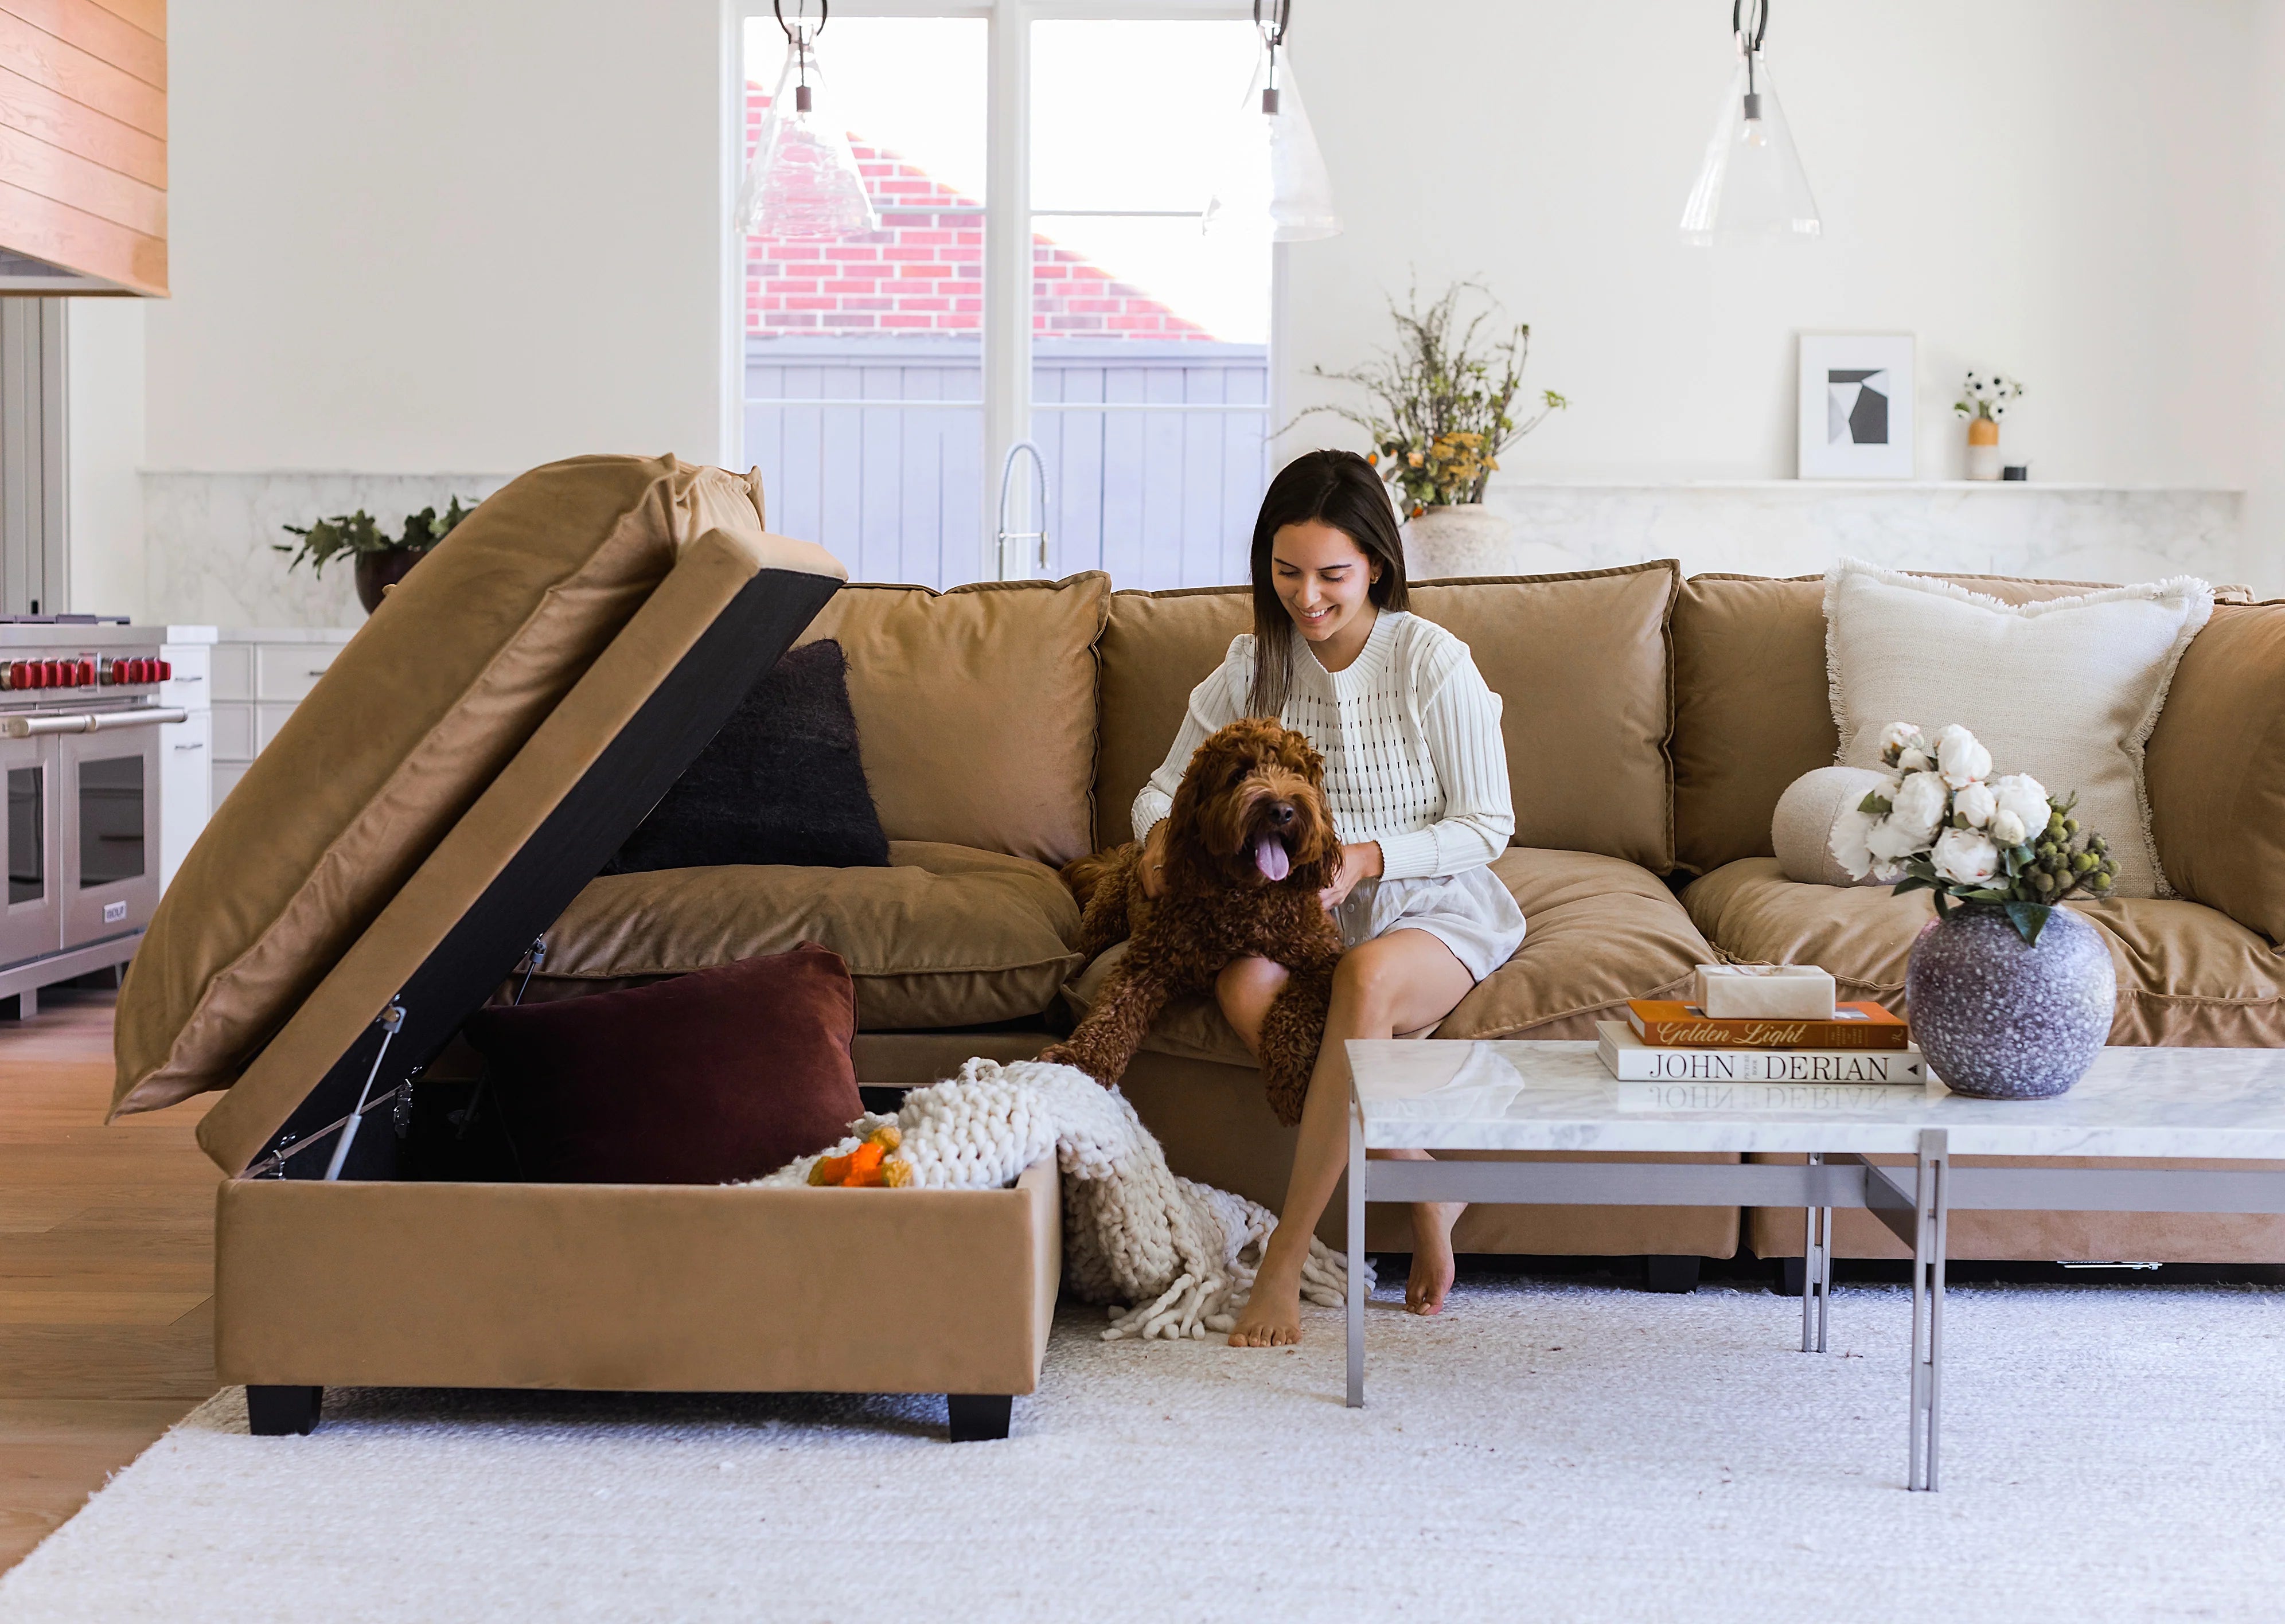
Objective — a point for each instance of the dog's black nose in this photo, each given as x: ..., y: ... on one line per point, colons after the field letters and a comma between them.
x: 1282, y: 814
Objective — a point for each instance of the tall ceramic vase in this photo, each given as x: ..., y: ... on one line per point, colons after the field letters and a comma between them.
x: 2002, y: 1019
x: 1983, y: 447
x: 1461, y: 539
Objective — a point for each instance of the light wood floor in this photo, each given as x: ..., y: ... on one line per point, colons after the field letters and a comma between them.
x: 106, y: 1268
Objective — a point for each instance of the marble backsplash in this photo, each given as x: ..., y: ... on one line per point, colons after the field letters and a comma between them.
x: 1798, y: 527
x: 208, y: 536
x: 207, y: 540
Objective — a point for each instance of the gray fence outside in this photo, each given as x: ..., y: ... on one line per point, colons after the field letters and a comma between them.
x: 1156, y: 454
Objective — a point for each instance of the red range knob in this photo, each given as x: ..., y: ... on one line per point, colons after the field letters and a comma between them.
x: 52, y: 674
x: 87, y: 673
x: 166, y: 671
x: 139, y: 671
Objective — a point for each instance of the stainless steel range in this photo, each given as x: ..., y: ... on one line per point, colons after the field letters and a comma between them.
x: 81, y: 720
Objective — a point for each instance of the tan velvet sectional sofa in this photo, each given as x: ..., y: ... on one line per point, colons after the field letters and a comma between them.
x: 1651, y: 724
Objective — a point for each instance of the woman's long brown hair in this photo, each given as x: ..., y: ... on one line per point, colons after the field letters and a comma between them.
x: 1335, y: 488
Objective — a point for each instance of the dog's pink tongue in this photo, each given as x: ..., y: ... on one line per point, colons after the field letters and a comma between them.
x: 1269, y: 856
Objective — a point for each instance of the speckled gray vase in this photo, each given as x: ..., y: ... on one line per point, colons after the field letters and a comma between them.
x: 2004, y: 1021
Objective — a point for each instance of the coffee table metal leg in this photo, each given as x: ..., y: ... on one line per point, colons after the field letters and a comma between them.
x: 1927, y: 1306
x: 1357, y: 1258
x: 1816, y: 1271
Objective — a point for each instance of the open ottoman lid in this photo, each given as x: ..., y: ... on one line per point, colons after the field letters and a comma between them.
x: 464, y: 766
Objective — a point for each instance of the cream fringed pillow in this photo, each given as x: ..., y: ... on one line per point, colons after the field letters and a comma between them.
x: 2067, y: 690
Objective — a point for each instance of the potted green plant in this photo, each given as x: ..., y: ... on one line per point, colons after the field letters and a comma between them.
x: 1443, y: 412
x: 381, y: 560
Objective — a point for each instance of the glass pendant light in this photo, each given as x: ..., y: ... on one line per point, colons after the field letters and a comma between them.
x: 804, y: 180
x: 1270, y: 180
x: 1751, y: 187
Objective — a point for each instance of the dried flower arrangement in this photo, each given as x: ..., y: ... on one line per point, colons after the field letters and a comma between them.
x: 1443, y: 397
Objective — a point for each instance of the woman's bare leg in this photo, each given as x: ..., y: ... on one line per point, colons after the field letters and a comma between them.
x: 1245, y: 989
x: 1395, y: 982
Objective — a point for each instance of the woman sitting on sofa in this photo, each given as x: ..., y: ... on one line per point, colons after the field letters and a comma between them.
x: 1415, y: 779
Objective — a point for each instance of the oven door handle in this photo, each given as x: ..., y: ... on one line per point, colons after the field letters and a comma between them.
x: 100, y: 721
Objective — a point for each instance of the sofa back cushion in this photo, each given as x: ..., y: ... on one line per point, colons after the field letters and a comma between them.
x: 437, y: 691
x: 1157, y: 648
x: 975, y: 709
x: 2215, y: 768
x: 1753, y: 702
x: 1580, y: 662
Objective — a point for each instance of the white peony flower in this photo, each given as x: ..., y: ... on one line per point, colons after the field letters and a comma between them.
x: 2006, y: 828
x: 1896, y: 738
x: 1918, y: 809
x: 1915, y: 760
x: 1965, y: 856
x: 1959, y: 757
x: 2025, y: 797
x: 1850, y: 843
x: 1975, y: 804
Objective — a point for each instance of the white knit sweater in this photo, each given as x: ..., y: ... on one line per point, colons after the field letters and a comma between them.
x: 1410, y: 737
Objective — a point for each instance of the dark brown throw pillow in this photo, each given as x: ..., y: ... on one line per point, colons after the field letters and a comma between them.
x: 782, y: 782
x: 724, y: 1074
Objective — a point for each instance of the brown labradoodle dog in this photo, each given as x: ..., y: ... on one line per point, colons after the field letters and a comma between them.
x: 1249, y: 845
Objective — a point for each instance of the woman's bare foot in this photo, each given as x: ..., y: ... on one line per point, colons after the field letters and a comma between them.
x: 1272, y: 1314
x: 1433, y: 1267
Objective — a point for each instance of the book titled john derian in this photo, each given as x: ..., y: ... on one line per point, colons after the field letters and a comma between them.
x: 1671, y: 1024
x: 1630, y: 1060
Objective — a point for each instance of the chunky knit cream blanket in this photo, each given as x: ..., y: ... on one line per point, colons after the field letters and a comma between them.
x: 1173, y: 1258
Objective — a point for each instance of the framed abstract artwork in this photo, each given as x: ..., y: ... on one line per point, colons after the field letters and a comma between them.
x: 1855, y: 405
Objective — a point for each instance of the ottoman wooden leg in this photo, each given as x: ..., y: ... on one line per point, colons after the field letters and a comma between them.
x: 273, y: 1412
x: 977, y: 1416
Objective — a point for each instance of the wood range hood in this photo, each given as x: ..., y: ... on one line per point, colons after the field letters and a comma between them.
x: 84, y: 146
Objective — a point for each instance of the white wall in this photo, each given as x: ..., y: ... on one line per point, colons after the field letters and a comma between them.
x: 477, y: 234
x: 2053, y: 188
x: 104, y: 404
x: 2265, y: 505
x: 440, y: 234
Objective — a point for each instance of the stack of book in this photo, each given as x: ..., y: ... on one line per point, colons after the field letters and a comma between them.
x: 1678, y: 1040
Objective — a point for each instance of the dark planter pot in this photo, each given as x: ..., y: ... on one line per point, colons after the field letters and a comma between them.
x: 377, y: 572
x: 2003, y: 1020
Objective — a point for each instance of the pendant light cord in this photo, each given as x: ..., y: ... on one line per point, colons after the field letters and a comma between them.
x: 1273, y: 36
x: 798, y: 33
x: 1742, y: 23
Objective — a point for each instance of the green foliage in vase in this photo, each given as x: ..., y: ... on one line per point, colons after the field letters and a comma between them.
x: 1443, y: 398
x: 326, y: 539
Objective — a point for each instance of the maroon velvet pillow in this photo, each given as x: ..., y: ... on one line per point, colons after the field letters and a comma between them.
x: 720, y: 1075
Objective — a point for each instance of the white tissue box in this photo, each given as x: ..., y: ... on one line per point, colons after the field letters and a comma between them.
x: 1765, y: 992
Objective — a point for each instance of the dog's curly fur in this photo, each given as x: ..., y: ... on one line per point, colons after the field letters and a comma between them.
x: 1253, y: 781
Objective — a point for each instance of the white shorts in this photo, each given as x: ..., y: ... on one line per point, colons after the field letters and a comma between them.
x: 1470, y: 913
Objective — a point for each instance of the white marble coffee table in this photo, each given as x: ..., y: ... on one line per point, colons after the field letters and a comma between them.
x: 2208, y: 1104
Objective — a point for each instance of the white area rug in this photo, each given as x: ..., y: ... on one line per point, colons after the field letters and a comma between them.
x: 1547, y: 1451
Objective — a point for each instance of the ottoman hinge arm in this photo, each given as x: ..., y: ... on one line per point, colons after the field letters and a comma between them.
x: 390, y: 1021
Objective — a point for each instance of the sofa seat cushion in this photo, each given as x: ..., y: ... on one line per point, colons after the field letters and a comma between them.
x: 1598, y: 931
x: 2187, y: 973
x: 945, y: 935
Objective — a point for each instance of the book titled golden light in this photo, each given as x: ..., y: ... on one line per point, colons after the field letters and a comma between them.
x: 1671, y: 1024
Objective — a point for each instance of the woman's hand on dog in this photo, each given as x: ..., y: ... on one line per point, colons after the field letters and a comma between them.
x: 1154, y: 860
x: 1361, y: 861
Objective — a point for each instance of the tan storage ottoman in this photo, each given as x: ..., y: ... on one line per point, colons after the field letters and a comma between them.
x: 468, y: 762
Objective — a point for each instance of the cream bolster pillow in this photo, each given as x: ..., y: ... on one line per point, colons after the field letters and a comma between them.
x: 1801, y: 832
x: 2066, y: 690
